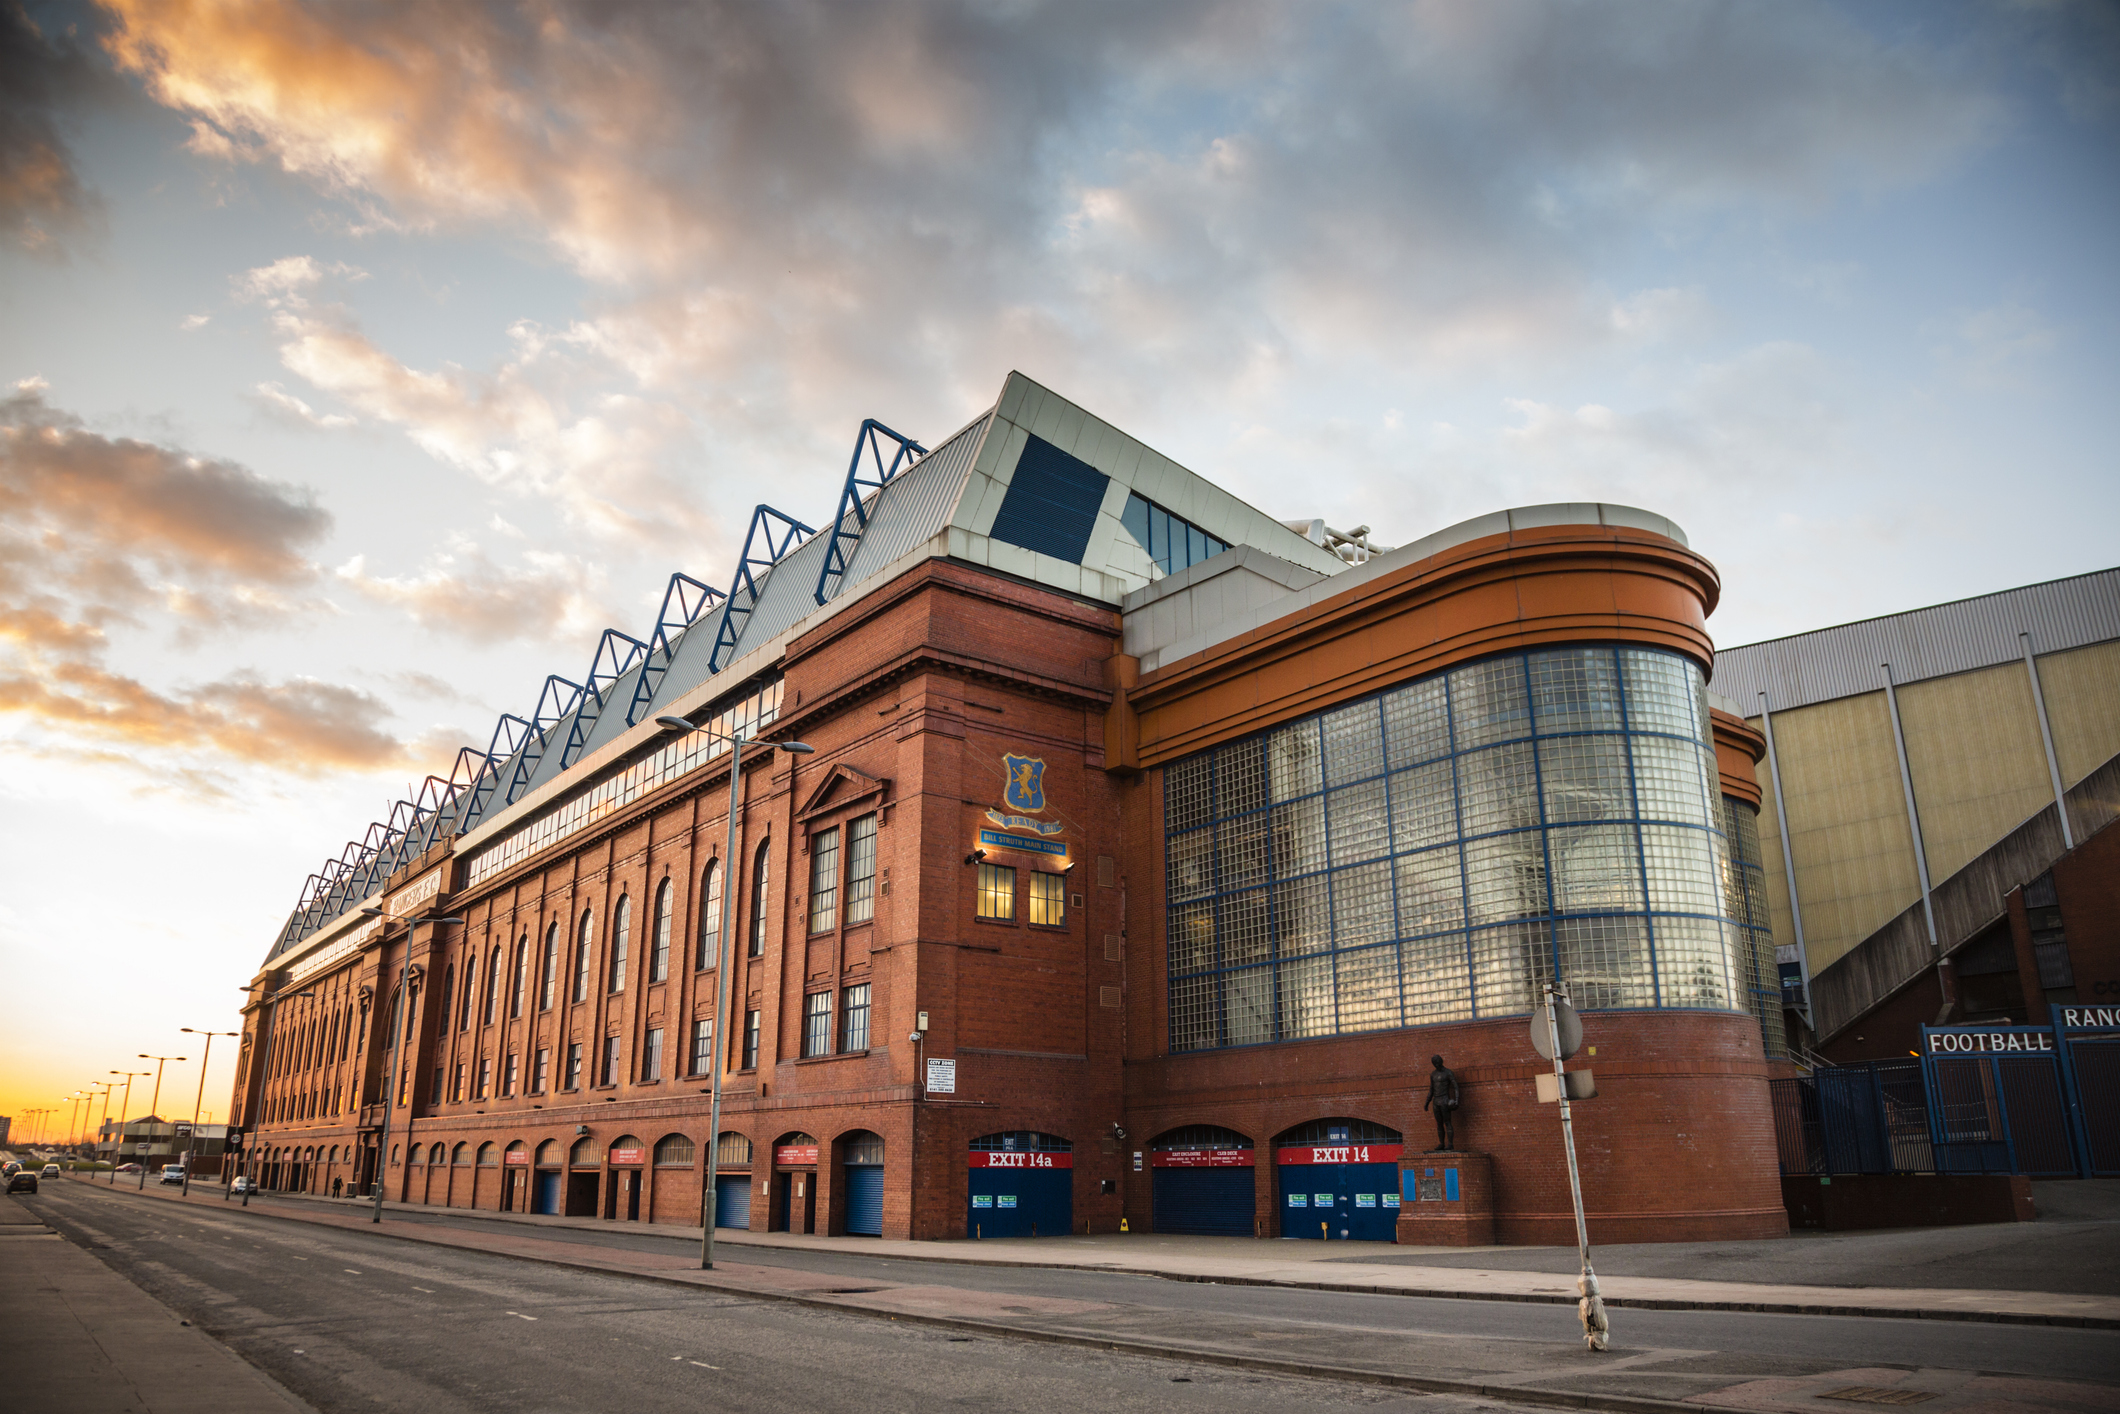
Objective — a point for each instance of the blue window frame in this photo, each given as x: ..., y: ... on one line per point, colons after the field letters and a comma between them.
x: 1171, y: 541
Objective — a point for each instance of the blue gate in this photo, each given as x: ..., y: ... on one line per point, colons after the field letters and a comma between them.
x: 1019, y: 1184
x: 1339, y: 1180
x: 732, y: 1200
x: 863, y: 1167
x: 1204, y: 1182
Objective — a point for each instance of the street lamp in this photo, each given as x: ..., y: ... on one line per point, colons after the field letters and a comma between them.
x: 264, y: 1076
x: 73, y: 1120
x: 117, y: 1151
x: 721, y: 966
x: 401, y: 994
x: 192, y: 1145
x: 152, y: 1105
x: 107, y: 1088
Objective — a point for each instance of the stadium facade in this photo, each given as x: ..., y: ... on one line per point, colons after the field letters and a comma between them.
x: 1148, y: 848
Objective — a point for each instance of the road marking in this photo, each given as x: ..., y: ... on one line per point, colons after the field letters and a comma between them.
x: 349, y: 1271
x: 701, y: 1363
x: 521, y: 1317
x: 428, y: 1289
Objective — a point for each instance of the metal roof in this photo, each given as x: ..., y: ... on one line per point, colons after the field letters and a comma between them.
x: 1935, y: 642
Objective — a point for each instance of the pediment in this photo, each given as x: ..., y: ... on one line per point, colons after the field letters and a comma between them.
x: 842, y: 786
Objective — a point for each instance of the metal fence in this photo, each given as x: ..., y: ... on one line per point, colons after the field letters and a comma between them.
x: 1948, y: 1114
x: 1871, y: 1118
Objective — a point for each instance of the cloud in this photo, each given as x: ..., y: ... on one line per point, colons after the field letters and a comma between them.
x: 43, y: 202
x: 284, y: 407
x: 551, y: 597
x: 119, y: 526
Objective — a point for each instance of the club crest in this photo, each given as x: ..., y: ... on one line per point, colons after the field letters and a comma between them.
x: 1026, y: 782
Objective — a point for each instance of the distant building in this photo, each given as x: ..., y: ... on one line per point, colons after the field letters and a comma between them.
x: 6, y: 1124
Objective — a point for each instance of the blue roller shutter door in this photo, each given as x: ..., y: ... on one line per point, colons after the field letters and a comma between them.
x: 1211, y: 1201
x: 864, y: 1200
x: 1014, y: 1202
x: 732, y: 1200
x: 1358, y: 1202
x: 547, y: 1193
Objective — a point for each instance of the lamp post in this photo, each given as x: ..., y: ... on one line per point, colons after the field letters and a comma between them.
x: 401, y: 994
x: 205, y: 1061
x: 152, y: 1105
x: 736, y: 742
x: 272, y: 999
x: 107, y: 1088
x: 117, y: 1151
x: 73, y: 1120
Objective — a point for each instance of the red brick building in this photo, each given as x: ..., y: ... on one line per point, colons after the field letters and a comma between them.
x: 1147, y: 849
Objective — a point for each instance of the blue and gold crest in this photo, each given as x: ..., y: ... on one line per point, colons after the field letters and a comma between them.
x: 1026, y: 782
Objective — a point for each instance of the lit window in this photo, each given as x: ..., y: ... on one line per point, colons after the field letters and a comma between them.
x: 997, y: 891
x: 542, y: 1071
x: 1049, y: 899
x: 854, y: 1019
x: 861, y: 870
x: 759, y: 878
x: 485, y: 1077
x: 824, y: 880
x: 817, y: 1024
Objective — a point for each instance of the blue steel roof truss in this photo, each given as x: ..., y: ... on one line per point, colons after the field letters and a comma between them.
x: 552, y: 709
x: 616, y: 653
x: 690, y: 599
x: 853, y: 503
x: 780, y: 534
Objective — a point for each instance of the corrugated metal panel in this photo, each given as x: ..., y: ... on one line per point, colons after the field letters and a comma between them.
x: 917, y: 506
x: 1922, y: 643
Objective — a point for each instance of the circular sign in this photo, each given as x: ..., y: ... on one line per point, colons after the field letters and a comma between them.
x: 1571, y: 1028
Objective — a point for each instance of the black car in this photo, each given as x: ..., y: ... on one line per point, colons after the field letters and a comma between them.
x: 22, y: 1181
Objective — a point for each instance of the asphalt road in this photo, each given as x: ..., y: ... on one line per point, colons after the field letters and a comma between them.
x: 349, y: 1321
x: 353, y: 1322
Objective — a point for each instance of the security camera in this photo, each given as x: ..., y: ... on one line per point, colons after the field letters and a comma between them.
x: 581, y: 1129
x: 1118, y: 1131
x: 917, y: 1037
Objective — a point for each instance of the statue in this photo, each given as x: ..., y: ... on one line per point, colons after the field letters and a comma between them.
x: 1443, y: 1099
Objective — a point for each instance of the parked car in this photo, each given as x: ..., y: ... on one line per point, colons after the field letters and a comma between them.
x: 51, y: 1170
x: 172, y: 1173
x: 241, y: 1185
x: 21, y: 1181
x: 128, y: 1168
x: 9, y: 1168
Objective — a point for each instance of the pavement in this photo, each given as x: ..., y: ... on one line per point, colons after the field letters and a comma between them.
x: 78, y: 1336
x: 1676, y: 1366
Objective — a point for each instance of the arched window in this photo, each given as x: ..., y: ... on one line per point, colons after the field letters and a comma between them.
x: 1338, y: 1131
x: 393, y: 1156
x: 732, y: 1151
x: 488, y: 1156
x: 548, y: 1154
x: 761, y: 871
x: 1028, y: 1141
x: 659, y: 950
x: 673, y: 1151
x: 518, y: 1153
x: 460, y: 1156
x: 709, y: 917
x: 627, y: 1150
x: 584, y: 1155
x: 463, y: 1022
x: 583, y: 937
x: 493, y: 985
x: 435, y: 1154
x: 863, y: 1148
x: 522, y: 975
x: 448, y: 992
x: 621, y: 938
x: 549, y: 979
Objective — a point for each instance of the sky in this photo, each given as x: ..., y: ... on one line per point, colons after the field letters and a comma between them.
x: 360, y: 363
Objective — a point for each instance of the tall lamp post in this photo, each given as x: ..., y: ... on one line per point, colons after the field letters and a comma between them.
x: 73, y: 1120
x: 401, y: 993
x: 117, y: 1151
x: 152, y: 1105
x: 205, y: 1061
x: 737, y: 743
x: 272, y: 1017
x: 107, y: 1088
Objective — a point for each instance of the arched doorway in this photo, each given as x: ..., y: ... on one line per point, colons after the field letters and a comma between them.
x: 673, y: 1198
x: 861, y: 1171
x: 1021, y: 1184
x: 622, y: 1195
x: 1339, y: 1179
x: 585, y: 1175
x: 794, y: 1183
x: 732, y: 1180
x: 550, y: 1179
x: 515, y: 1172
x: 1204, y: 1181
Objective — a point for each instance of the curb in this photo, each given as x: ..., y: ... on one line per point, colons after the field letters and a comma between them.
x: 1637, y: 1303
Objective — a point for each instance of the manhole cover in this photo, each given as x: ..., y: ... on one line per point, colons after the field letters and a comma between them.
x: 1874, y: 1394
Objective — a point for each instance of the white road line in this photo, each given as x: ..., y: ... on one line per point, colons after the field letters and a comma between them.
x: 701, y: 1363
x: 428, y: 1289
x: 349, y: 1271
x: 521, y: 1317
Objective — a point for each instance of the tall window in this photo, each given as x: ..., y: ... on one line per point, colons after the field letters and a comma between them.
x: 621, y: 937
x: 760, y: 872
x: 861, y: 870
x: 541, y: 1070
x: 508, y: 1076
x: 485, y: 1077
x: 582, y: 938
x: 997, y: 891
x: 710, y: 917
x: 434, y: 1091
x: 702, y: 1045
x: 522, y: 976
x: 493, y: 986
x: 659, y: 954
x: 463, y: 1019
x: 1048, y: 899
x: 817, y: 1024
x: 854, y: 1018
x: 549, y: 978
x: 574, y: 1065
x: 651, y: 1055
x: 456, y: 1083
x: 607, y: 1071
x: 750, y: 1040
x: 824, y: 880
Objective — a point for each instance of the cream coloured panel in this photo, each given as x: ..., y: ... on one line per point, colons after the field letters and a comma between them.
x: 2082, y: 688
x: 1979, y: 768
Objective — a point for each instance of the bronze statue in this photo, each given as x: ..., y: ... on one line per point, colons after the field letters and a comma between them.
x: 1443, y: 1098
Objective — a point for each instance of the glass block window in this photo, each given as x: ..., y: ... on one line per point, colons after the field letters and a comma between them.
x: 997, y: 891
x: 1440, y: 851
x: 1171, y: 541
x: 1048, y: 900
x: 1745, y: 906
x: 861, y: 869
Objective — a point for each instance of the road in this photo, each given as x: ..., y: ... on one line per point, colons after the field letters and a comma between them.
x: 351, y: 1320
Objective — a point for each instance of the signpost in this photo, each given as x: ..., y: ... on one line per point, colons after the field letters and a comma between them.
x: 1557, y: 1041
